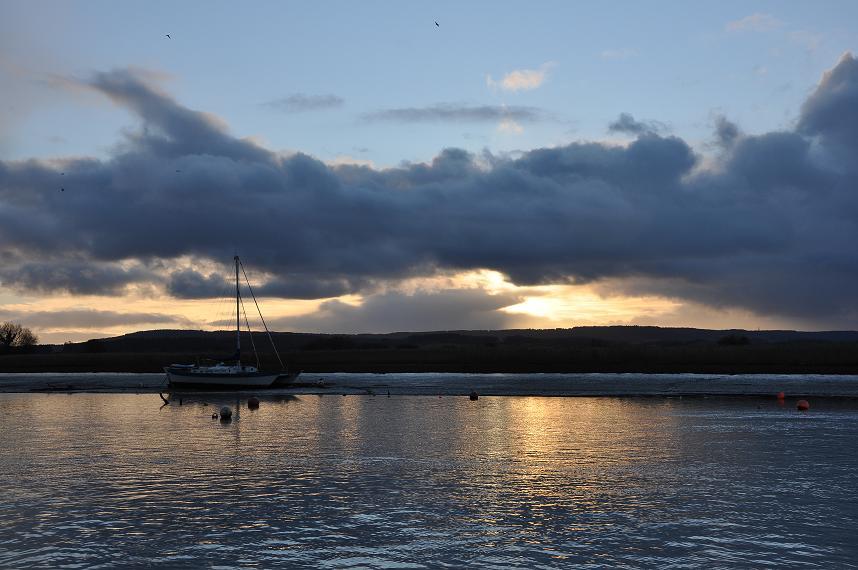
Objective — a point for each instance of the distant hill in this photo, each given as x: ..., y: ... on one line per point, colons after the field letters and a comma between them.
x: 579, y: 349
x: 184, y: 341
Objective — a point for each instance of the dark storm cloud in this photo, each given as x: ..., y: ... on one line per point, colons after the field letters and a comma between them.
x: 299, y: 103
x: 88, y: 318
x: 768, y: 226
x: 190, y: 284
x: 626, y: 123
x: 74, y: 276
x: 831, y: 112
x: 453, y: 309
x: 451, y: 112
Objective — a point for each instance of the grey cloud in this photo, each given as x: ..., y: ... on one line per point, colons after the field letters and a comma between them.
x: 79, y: 277
x: 300, y: 102
x: 190, y: 284
x: 442, y: 310
x: 770, y: 228
x: 626, y: 123
x: 831, y: 112
x: 726, y: 132
x: 88, y: 318
x: 171, y: 130
x: 452, y: 112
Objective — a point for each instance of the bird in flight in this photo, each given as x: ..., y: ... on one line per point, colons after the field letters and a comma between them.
x: 62, y: 189
x: 168, y: 36
x: 437, y: 24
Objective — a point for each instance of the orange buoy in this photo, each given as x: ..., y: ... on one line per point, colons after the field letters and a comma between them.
x: 781, y: 395
x: 802, y: 406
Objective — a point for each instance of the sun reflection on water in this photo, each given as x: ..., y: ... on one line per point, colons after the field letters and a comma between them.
x: 361, y: 480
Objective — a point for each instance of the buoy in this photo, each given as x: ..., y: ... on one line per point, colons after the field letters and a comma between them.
x: 781, y: 395
x: 802, y: 406
x: 225, y: 413
x: 474, y: 396
x: 253, y: 403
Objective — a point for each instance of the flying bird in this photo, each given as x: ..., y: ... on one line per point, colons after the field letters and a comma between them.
x: 62, y: 189
x: 168, y: 36
x: 437, y: 24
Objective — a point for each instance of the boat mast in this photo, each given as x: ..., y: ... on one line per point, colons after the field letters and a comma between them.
x: 237, y: 316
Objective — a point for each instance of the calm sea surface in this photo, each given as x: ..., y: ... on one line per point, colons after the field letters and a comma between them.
x: 106, y: 480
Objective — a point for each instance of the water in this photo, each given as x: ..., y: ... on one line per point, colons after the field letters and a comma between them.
x: 429, y: 383
x: 106, y: 480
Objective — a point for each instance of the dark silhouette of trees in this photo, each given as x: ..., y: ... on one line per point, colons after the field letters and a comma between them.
x: 734, y: 340
x: 13, y: 335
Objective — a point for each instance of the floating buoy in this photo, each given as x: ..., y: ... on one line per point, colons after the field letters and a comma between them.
x: 781, y: 395
x: 225, y: 413
x: 253, y: 403
x: 474, y: 396
x: 802, y: 406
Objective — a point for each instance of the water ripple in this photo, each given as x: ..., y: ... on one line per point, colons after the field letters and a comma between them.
x: 99, y: 480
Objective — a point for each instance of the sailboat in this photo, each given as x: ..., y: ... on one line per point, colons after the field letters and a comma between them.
x: 231, y: 372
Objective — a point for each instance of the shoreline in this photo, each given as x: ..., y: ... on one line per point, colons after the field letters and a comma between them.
x: 461, y: 384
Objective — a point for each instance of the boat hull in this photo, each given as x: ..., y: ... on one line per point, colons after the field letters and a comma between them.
x: 189, y: 379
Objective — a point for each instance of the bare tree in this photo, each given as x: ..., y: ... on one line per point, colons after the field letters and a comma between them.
x: 13, y: 335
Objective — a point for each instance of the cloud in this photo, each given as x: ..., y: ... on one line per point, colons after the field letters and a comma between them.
x: 191, y: 284
x: 726, y: 132
x: 626, y: 123
x: 754, y: 23
x: 87, y: 318
x: 510, y: 126
x: 830, y: 113
x: 768, y: 226
x: 300, y: 103
x: 451, y: 112
x: 76, y: 276
x: 451, y: 309
x: 521, y: 79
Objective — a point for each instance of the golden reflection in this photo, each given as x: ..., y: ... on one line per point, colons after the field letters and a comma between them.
x: 562, y: 453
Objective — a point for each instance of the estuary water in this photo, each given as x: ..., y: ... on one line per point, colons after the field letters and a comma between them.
x: 115, y: 480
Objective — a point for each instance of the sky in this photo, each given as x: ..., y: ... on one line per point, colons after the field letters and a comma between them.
x: 548, y: 164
